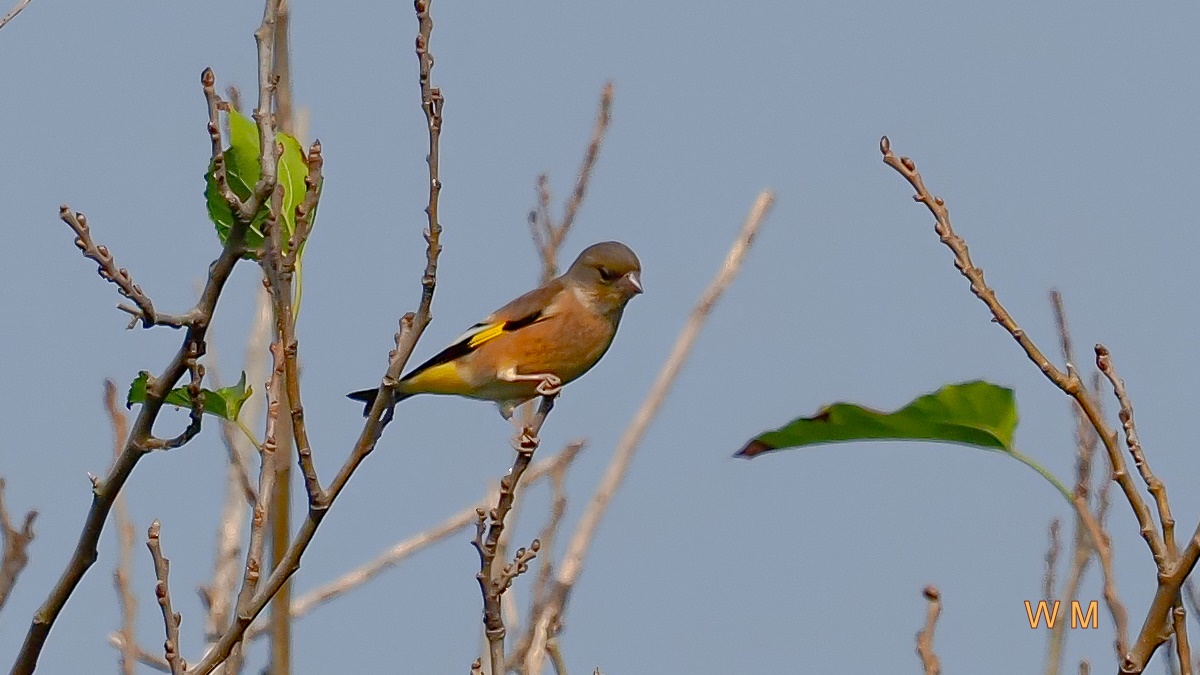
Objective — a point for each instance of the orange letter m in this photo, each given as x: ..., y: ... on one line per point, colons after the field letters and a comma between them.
x: 1079, y: 619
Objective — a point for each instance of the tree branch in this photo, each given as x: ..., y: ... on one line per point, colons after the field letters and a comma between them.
x: 162, y: 569
x: 929, y: 660
x: 13, y: 13
x: 493, y: 583
x: 123, y: 574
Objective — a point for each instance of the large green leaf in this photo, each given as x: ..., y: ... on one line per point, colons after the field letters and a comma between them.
x: 225, y: 402
x: 977, y: 413
x: 243, y: 171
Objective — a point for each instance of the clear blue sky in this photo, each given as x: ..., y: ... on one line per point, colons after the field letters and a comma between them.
x: 1062, y: 135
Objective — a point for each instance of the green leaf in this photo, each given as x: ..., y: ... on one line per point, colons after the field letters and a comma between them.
x: 242, y: 171
x: 973, y: 413
x: 976, y: 413
x: 225, y: 402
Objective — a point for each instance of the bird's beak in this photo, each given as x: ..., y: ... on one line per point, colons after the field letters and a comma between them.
x: 633, y: 281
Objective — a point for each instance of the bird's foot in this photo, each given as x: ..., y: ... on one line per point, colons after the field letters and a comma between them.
x: 550, y: 385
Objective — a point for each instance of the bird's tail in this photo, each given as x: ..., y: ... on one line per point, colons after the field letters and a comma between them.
x: 367, y: 396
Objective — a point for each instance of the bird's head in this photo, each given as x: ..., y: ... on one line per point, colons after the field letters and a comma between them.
x: 609, y: 272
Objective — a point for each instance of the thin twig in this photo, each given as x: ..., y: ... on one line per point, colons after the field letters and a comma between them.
x: 548, y: 237
x: 13, y: 13
x: 107, y: 268
x: 266, y: 484
x: 1102, y: 545
x: 141, y: 655
x: 162, y: 569
x: 1153, y: 483
x: 218, y: 595
x: 929, y: 660
x: 16, y: 545
x: 1183, y: 649
x: 1082, y: 548
x: 123, y: 574
x: 490, y: 526
x: 585, y: 532
x: 1052, y: 551
x: 540, y: 594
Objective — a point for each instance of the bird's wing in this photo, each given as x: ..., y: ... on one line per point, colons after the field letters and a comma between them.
x: 526, y: 310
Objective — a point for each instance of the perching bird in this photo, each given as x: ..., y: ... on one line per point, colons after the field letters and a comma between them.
x: 537, y: 343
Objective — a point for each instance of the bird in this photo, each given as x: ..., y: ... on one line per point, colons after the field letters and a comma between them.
x: 537, y: 343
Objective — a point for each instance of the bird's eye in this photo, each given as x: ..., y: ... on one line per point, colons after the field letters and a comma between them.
x: 607, y: 274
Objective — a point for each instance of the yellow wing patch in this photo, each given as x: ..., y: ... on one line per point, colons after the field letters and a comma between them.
x: 484, y: 334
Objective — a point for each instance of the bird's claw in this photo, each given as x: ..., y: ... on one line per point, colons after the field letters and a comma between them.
x: 550, y: 385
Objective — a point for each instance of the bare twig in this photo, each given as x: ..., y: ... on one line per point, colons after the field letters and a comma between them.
x: 266, y: 484
x: 1155, y: 485
x: 13, y: 13
x: 490, y: 526
x: 585, y: 532
x: 1183, y: 649
x: 218, y: 594
x: 929, y: 660
x: 107, y: 268
x: 141, y: 655
x: 123, y: 574
x: 162, y: 569
x: 1102, y: 544
x: 16, y: 545
x: 547, y: 236
x: 1172, y: 570
x: 1052, y: 551
x: 556, y: 657
x: 540, y: 594
x: 1082, y: 547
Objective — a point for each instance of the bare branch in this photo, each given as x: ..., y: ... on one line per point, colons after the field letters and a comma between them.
x: 493, y: 583
x: 162, y: 568
x: 929, y: 660
x: 585, y: 532
x: 107, y: 268
x: 123, y: 574
x: 1156, y: 487
x: 548, y: 237
x: 1082, y: 547
x: 13, y: 13
x: 141, y: 655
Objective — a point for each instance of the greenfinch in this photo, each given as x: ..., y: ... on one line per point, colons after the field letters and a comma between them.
x: 537, y: 343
